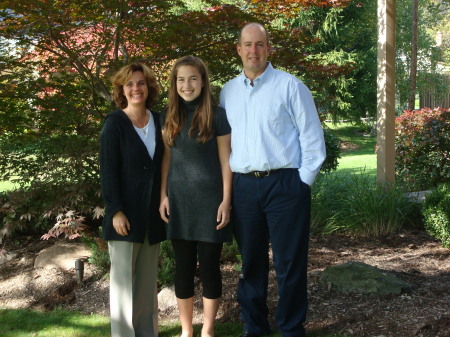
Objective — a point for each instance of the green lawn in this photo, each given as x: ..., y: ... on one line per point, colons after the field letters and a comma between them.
x: 57, y: 323
x: 359, y: 155
x: 358, y: 163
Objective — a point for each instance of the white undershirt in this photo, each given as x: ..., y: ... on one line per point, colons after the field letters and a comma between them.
x: 147, y: 134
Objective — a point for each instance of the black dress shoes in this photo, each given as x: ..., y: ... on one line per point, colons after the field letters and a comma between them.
x: 249, y: 334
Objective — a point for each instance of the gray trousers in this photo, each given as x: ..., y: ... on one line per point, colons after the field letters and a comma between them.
x: 132, y: 292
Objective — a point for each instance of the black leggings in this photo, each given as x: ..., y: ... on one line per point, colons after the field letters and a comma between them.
x: 186, y: 264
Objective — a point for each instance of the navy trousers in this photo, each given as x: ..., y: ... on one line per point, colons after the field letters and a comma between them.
x: 274, y: 209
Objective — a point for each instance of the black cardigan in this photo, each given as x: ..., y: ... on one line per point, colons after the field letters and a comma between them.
x: 130, y: 179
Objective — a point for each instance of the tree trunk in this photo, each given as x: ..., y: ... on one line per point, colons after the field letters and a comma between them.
x: 413, y: 73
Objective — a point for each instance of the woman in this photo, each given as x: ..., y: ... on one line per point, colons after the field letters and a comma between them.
x: 196, y: 188
x: 131, y: 150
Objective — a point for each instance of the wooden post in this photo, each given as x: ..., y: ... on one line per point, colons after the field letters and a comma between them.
x: 386, y: 92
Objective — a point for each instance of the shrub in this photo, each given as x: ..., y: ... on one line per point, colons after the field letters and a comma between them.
x: 51, y: 153
x: 358, y: 204
x: 99, y: 251
x: 436, y: 212
x: 230, y: 251
x: 70, y: 224
x: 36, y: 208
x: 332, y: 144
x: 166, y: 269
x: 422, y: 148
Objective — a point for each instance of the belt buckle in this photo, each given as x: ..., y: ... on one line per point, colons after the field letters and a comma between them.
x: 261, y: 174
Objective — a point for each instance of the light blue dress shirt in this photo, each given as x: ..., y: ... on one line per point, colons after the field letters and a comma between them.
x: 274, y: 124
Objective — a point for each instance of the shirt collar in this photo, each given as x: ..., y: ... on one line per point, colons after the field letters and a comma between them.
x: 260, y: 78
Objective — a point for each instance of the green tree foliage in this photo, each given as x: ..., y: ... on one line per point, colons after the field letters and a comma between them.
x: 434, y: 18
x: 325, y: 75
x: 55, y: 89
x: 57, y: 58
x: 345, y: 35
x: 343, y: 39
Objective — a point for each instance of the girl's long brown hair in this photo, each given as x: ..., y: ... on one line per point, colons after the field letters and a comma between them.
x: 202, y: 123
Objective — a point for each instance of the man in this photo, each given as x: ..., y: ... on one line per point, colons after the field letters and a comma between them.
x: 277, y: 149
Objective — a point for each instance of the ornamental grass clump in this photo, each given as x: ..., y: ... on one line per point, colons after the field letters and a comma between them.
x: 326, y: 198
x: 358, y: 204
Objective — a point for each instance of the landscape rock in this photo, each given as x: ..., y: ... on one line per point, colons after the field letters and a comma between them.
x: 357, y: 277
x: 418, y: 197
x: 7, y: 256
x: 62, y: 255
x: 167, y: 299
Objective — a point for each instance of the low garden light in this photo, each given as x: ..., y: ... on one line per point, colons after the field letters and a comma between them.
x: 79, y: 269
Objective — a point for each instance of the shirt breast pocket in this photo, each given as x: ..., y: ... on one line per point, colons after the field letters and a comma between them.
x: 279, y: 119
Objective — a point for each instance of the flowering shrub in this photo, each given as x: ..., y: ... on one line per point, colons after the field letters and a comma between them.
x: 422, y: 144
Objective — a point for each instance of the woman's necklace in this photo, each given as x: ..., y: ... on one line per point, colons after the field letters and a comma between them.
x: 143, y: 128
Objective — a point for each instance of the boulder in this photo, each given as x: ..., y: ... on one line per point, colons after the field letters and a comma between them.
x: 357, y: 277
x: 62, y: 255
x: 167, y: 299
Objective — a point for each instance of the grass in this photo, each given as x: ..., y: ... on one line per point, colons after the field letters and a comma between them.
x: 24, y: 323
x: 356, y: 203
x: 350, y: 200
x: 56, y: 323
x: 361, y: 156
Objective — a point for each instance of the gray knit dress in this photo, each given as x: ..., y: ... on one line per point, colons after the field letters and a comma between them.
x: 195, y: 187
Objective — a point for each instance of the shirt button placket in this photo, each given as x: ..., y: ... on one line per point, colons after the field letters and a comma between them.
x: 252, y: 123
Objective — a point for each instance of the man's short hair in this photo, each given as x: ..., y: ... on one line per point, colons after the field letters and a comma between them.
x: 254, y: 23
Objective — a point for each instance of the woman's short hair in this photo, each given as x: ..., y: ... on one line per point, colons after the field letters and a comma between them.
x: 123, y: 75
